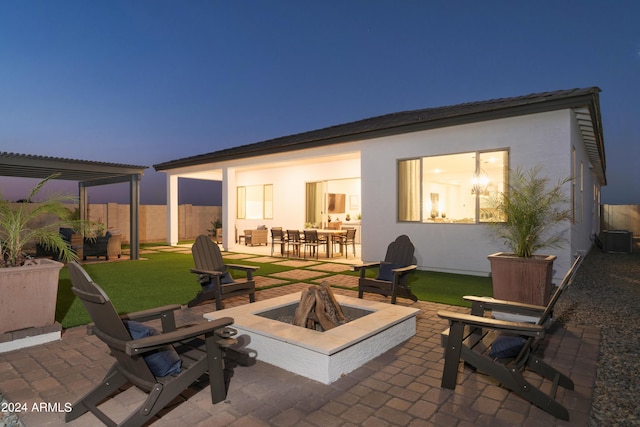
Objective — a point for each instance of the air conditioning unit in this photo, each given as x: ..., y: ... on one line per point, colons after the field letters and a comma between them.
x: 617, y: 241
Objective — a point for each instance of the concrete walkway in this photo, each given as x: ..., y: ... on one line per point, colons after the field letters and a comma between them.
x: 400, y: 387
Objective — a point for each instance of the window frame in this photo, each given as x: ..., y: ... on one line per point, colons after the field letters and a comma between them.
x: 266, y: 202
x: 420, y: 182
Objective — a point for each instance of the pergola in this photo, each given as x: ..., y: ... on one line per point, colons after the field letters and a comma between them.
x: 87, y: 174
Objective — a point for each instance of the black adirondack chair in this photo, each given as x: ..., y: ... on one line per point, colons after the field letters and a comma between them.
x: 393, y: 273
x: 214, y: 276
x: 160, y: 364
x: 503, y: 349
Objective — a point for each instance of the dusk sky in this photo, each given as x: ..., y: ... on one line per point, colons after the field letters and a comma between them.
x: 149, y: 81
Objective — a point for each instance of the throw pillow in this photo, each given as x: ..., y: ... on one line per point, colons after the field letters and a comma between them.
x: 385, y: 271
x: 506, y: 345
x: 226, y: 278
x: 162, y: 362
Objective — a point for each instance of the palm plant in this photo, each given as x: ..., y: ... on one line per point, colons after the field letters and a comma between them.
x: 530, y: 210
x: 19, y: 225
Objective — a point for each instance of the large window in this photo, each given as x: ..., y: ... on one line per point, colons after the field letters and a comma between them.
x: 454, y: 188
x: 255, y: 202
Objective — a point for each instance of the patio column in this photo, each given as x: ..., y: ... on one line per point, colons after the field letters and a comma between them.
x: 172, y: 210
x: 228, y: 208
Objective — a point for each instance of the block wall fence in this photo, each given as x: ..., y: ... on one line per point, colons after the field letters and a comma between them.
x: 621, y: 217
x: 192, y: 220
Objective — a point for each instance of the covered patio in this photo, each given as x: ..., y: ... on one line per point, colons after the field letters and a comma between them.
x: 400, y: 387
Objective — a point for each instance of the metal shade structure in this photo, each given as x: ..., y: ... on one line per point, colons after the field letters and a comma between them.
x: 87, y: 174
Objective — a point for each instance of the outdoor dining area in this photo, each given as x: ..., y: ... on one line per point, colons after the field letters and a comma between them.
x: 402, y: 386
x: 332, y: 242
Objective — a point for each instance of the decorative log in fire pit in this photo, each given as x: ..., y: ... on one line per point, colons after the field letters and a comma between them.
x: 318, y: 309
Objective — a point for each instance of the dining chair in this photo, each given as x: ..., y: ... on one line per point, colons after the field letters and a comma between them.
x: 293, y: 240
x: 347, y: 239
x: 277, y: 238
x: 311, y: 242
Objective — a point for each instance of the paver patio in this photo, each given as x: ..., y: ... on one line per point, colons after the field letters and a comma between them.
x: 400, y: 387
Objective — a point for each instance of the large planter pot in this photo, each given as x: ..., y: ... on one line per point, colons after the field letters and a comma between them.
x: 28, y: 295
x: 525, y: 280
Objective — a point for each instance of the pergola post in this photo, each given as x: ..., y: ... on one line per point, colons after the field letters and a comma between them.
x: 82, y: 198
x: 134, y: 217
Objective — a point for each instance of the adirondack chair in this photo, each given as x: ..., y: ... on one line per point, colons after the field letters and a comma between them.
x: 393, y: 273
x: 162, y: 365
x: 214, y: 278
x: 504, y: 349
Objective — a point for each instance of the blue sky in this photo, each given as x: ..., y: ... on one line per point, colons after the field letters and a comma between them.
x: 148, y: 81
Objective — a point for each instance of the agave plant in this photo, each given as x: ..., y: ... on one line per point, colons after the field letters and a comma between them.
x: 19, y: 226
x: 530, y: 210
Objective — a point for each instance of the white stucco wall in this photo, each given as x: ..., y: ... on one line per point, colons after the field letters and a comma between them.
x: 544, y: 138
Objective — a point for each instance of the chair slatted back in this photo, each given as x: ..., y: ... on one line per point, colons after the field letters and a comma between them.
x: 108, y: 323
x: 293, y: 236
x: 311, y: 236
x: 400, y: 251
x: 564, y: 284
x: 206, y: 255
x: 548, y: 311
x: 277, y: 234
x: 351, y: 234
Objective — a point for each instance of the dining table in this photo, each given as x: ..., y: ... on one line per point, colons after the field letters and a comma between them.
x: 330, y: 236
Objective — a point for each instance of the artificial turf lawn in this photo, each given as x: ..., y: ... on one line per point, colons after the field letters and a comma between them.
x: 164, y: 278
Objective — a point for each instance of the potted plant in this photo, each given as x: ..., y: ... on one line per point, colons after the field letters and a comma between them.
x: 529, y: 216
x: 29, y: 287
x: 216, y: 230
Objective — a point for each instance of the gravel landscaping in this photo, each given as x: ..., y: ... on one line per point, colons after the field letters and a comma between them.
x: 606, y: 295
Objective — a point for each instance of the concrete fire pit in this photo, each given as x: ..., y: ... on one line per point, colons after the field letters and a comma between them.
x: 321, y: 356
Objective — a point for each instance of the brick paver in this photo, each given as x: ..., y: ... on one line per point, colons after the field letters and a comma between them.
x: 400, y: 387
x: 340, y: 280
x: 298, y: 274
x: 331, y: 267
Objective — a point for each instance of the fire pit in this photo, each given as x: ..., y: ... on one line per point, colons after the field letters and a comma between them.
x: 321, y: 356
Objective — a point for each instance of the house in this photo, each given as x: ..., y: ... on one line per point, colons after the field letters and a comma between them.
x: 427, y: 173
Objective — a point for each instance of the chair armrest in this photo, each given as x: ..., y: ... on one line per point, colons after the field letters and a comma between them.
x: 151, y: 314
x: 403, y: 270
x: 480, y: 304
x: 365, y: 266
x: 143, y: 345
x: 165, y: 314
x: 519, y: 328
x: 242, y: 267
x: 209, y: 272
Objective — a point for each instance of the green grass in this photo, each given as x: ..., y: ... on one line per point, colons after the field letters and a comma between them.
x: 447, y: 288
x: 164, y: 278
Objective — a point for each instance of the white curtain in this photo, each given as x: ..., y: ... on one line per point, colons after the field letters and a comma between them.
x: 409, y: 190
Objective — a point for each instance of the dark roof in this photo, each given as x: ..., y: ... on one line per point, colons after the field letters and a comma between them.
x: 89, y: 172
x: 412, y: 121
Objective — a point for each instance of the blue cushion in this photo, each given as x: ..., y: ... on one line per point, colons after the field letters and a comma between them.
x: 163, y: 362
x: 506, y: 346
x: 208, y: 282
x: 385, y: 271
x: 226, y: 278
